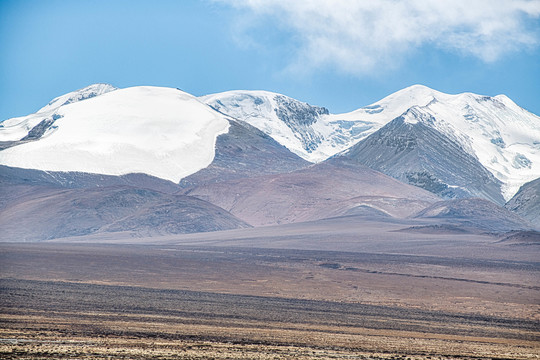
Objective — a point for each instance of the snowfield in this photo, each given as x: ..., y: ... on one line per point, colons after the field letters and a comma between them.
x: 306, y: 130
x: 162, y: 132
x: 17, y: 128
x: 504, y: 137
x: 170, y: 134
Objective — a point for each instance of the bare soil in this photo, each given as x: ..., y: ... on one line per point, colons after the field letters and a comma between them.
x: 168, y: 301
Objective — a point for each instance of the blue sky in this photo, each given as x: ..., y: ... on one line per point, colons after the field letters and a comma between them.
x: 342, y: 56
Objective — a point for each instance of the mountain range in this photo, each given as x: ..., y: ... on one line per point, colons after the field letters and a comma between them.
x: 152, y: 161
x: 503, y: 137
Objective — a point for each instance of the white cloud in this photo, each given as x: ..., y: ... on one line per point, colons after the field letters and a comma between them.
x: 359, y: 36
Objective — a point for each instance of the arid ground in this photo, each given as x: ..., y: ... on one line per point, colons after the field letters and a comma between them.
x: 171, y: 298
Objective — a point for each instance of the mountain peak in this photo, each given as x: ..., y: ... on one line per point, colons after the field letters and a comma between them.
x: 19, y: 128
x: 502, y: 136
x: 419, y: 95
x: 289, y: 121
x: 416, y: 114
x: 396, y: 104
x: 417, y: 89
x: 78, y: 95
x: 158, y: 131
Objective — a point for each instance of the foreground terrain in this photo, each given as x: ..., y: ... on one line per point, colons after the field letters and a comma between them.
x: 173, y: 299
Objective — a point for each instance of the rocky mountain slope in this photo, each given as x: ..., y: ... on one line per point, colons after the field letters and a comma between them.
x: 526, y: 203
x: 411, y: 150
x: 502, y: 136
x: 308, y: 131
x: 150, y: 161
x: 243, y: 152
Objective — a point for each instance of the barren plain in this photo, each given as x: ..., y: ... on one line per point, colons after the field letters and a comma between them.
x: 272, y: 293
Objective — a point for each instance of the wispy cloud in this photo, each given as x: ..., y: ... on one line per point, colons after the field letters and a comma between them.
x: 359, y: 36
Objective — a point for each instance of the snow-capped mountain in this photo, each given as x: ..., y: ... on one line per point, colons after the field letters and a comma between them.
x: 170, y: 134
x: 34, y: 125
x: 503, y: 137
x: 411, y: 150
x: 237, y: 151
x: 162, y: 132
x: 310, y: 132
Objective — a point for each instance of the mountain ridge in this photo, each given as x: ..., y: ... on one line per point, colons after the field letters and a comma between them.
x: 44, y: 213
x: 501, y: 135
x: 410, y: 150
x: 493, y: 130
x: 162, y: 132
x: 159, y: 161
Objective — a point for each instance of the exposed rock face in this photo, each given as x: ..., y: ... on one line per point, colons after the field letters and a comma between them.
x: 410, y: 150
x: 309, y: 131
x: 40, y: 129
x: 526, y: 203
x: 298, y: 116
x: 245, y: 152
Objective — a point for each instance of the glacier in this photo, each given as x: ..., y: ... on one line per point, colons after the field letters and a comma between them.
x: 504, y: 137
x: 162, y: 132
x: 171, y: 134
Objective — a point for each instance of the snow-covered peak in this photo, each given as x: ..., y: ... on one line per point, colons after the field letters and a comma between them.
x: 413, y: 95
x: 394, y: 105
x: 239, y: 96
x: 308, y: 131
x: 413, y: 116
x: 505, y: 100
x: 78, y: 95
x: 15, y: 129
x: 162, y: 132
x: 290, y: 122
x: 260, y: 108
x: 504, y: 137
x: 251, y: 105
